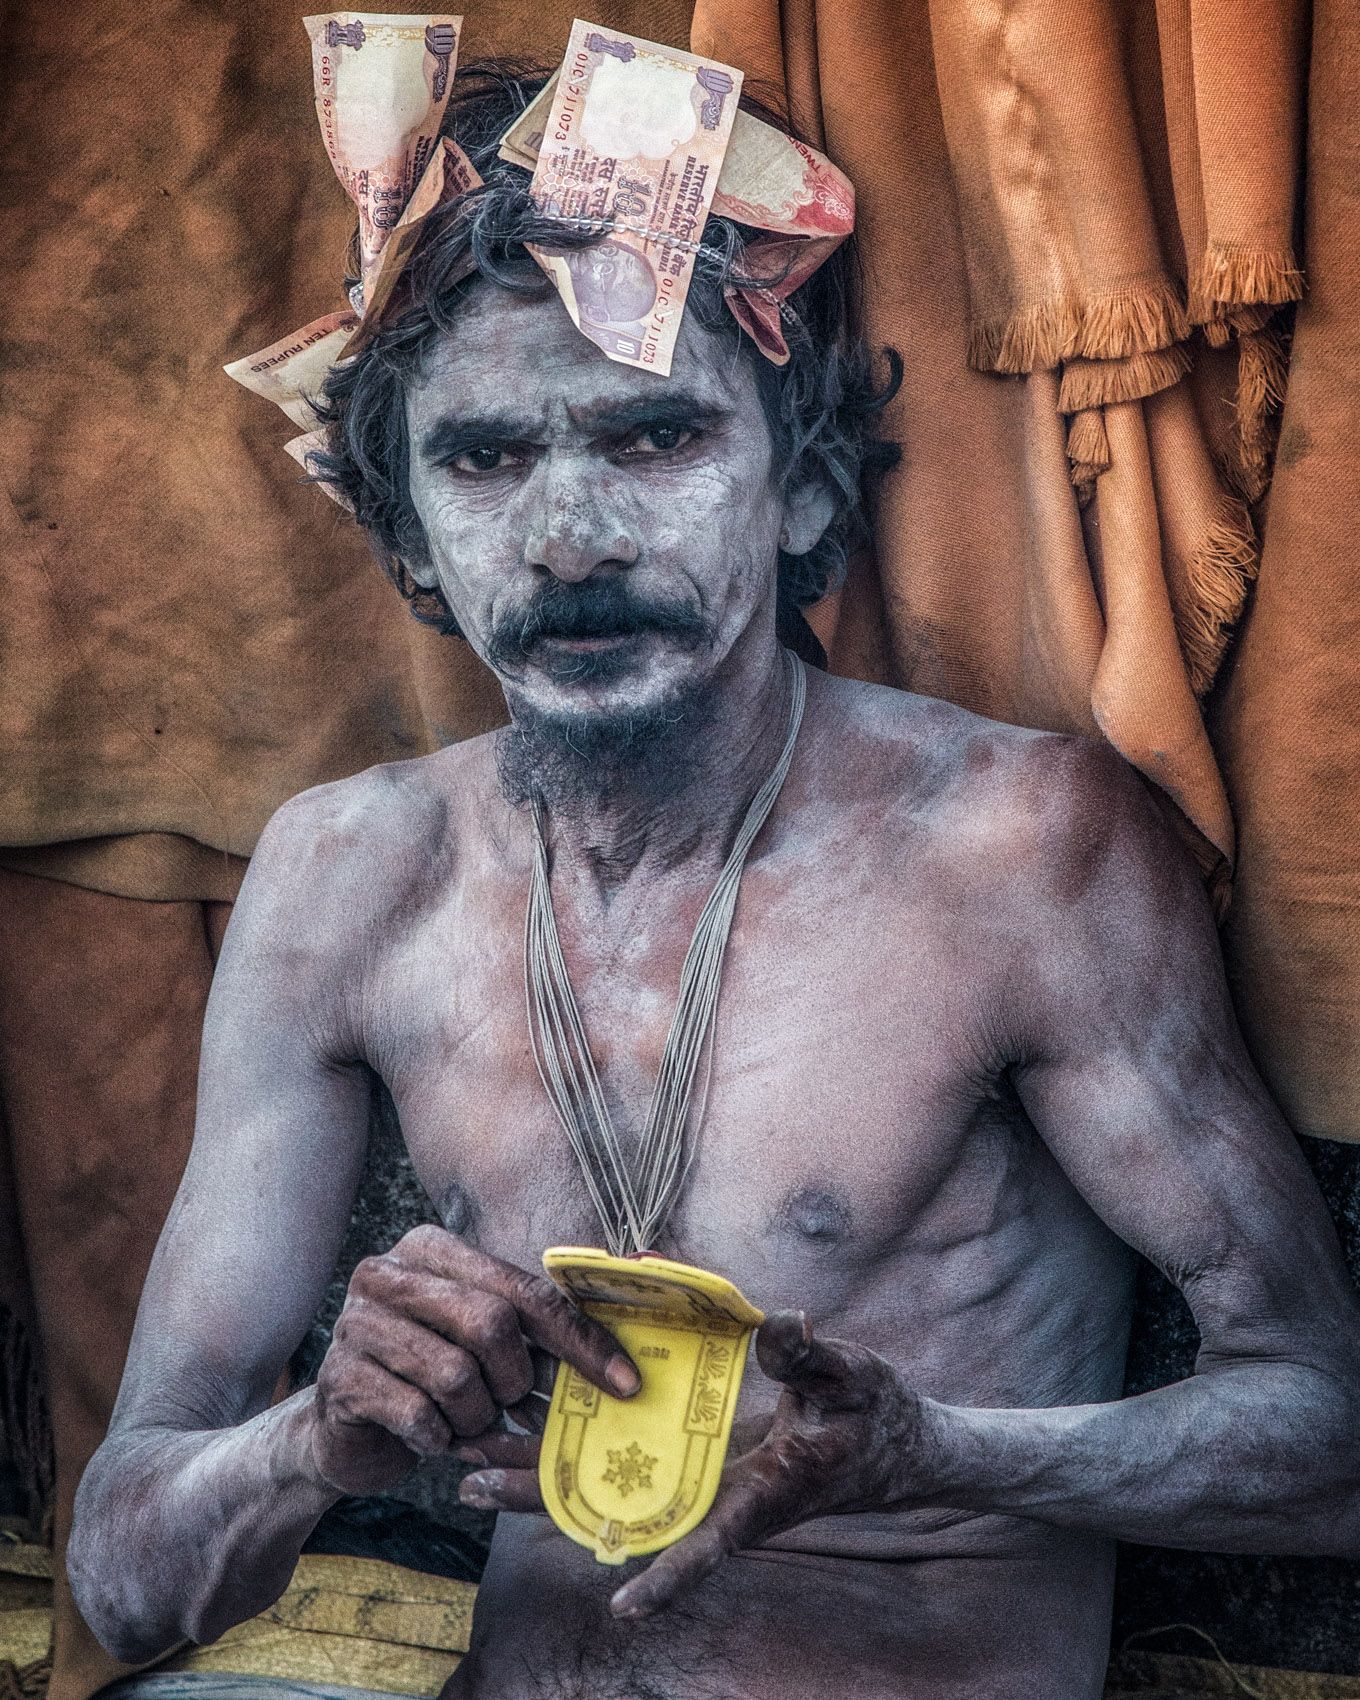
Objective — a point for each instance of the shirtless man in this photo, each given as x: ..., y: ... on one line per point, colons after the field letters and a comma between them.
x: 973, y: 1051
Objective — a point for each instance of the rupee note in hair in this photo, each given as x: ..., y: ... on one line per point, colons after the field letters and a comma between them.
x: 769, y: 181
x: 382, y: 83
x: 633, y: 143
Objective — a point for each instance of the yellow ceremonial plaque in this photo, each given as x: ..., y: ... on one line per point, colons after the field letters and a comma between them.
x: 627, y: 1477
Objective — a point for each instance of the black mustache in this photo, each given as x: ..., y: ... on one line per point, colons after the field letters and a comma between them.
x: 591, y: 610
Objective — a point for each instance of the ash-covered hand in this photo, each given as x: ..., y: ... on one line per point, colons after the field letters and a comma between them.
x: 847, y: 1435
x: 435, y: 1341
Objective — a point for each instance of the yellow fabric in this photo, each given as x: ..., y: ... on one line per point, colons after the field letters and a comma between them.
x: 353, y: 1621
x: 1169, y: 1676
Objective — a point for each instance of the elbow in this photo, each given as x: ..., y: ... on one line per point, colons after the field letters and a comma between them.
x: 101, y: 1592
x: 1328, y: 1434
x: 106, y: 1580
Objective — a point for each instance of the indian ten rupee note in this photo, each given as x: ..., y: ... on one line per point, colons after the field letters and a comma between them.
x: 382, y: 83
x: 770, y: 182
x: 449, y: 175
x: 291, y: 371
x: 632, y: 146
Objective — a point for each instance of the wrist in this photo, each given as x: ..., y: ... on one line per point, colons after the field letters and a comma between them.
x: 296, y: 1469
x: 927, y: 1464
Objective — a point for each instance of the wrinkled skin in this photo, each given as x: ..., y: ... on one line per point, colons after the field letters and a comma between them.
x: 973, y: 1051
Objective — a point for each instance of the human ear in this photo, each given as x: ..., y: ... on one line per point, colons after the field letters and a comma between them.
x: 809, y: 507
x: 422, y: 572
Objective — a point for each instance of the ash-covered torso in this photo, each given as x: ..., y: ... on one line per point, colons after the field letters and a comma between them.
x: 864, y: 1156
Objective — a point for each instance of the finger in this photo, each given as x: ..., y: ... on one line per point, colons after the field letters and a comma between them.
x: 530, y: 1413
x: 749, y: 1506
x: 833, y: 1373
x: 448, y: 1374
x: 368, y: 1392
x: 501, y: 1490
x: 545, y: 1314
x: 502, y: 1450
x: 480, y: 1322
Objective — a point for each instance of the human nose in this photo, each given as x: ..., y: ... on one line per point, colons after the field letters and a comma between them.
x: 573, y: 529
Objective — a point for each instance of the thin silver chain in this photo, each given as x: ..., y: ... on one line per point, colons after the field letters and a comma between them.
x: 633, y: 1205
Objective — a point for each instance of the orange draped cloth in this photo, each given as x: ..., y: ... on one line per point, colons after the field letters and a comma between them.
x: 1080, y: 227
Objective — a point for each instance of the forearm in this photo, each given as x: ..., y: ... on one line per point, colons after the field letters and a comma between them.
x: 180, y: 1535
x: 1241, y: 1457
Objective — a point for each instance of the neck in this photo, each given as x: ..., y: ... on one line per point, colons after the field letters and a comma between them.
x: 682, y: 802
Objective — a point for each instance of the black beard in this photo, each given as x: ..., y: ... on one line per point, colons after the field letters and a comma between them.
x: 575, y: 760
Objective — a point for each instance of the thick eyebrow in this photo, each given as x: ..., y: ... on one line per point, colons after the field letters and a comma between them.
x: 454, y: 433
x: 678, y: 408
x: 451, y: 434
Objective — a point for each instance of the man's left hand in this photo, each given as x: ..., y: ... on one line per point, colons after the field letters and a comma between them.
x: 847, y: 1436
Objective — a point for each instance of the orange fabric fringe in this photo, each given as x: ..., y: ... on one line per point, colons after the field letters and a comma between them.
x: 1094, y: 383
x: 1230, y: 276
x: 1217, y: 577
x: 1105, y: 327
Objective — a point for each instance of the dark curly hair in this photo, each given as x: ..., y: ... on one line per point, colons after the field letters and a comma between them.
x: 819, y: 406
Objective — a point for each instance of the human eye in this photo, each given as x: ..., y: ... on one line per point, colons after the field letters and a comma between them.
x: 663, y: 438
x: 481, y: 458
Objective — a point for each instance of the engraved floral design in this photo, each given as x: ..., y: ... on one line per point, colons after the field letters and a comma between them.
x: 631, y: 1468
x: 710, y: 1387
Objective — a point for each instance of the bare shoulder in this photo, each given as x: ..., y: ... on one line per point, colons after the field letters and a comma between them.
x: 1043, y: 819
x: 340, y: 859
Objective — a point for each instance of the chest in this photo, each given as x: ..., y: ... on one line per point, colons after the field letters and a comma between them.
x: 835, y: 1119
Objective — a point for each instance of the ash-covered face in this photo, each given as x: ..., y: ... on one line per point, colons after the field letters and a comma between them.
x: 603, y: 536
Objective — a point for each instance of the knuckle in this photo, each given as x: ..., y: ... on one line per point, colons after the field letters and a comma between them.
x: 353, y: 1320
x: 492, y: 1321
x: 368, y: 1275
x: 422, y: 1241
x: 590, y: 1338
x: 457, y: 1376
x: 530, y: 1292
x: 338, y: 1404
x: 419, y: 1427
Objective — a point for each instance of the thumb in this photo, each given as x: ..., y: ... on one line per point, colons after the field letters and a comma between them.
x: 827, y: 1372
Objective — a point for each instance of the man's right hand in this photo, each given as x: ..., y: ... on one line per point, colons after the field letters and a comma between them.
x: 434, y: 1342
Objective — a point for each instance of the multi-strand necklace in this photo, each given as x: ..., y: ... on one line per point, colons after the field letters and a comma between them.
x: 634, y: 1198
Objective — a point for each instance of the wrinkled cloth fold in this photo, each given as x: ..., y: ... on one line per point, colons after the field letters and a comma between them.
x: 1081, y: 227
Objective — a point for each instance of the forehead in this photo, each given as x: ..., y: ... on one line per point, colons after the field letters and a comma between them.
x: 509, y: 348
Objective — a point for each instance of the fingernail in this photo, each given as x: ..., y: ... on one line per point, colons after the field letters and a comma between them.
x: 470, y: 1455
x: 478, y: 1492
x: 621, y: 1374
x: 622, y: 1606
x: 806, y: 1325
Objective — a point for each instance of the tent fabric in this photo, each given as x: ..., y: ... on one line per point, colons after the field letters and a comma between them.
x: 1034, y: 200
x: 1081, y: 229
x: 101, y: 1002
x: 1288, y: 724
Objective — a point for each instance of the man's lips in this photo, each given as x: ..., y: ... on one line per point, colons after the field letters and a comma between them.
x: 588, y: 645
